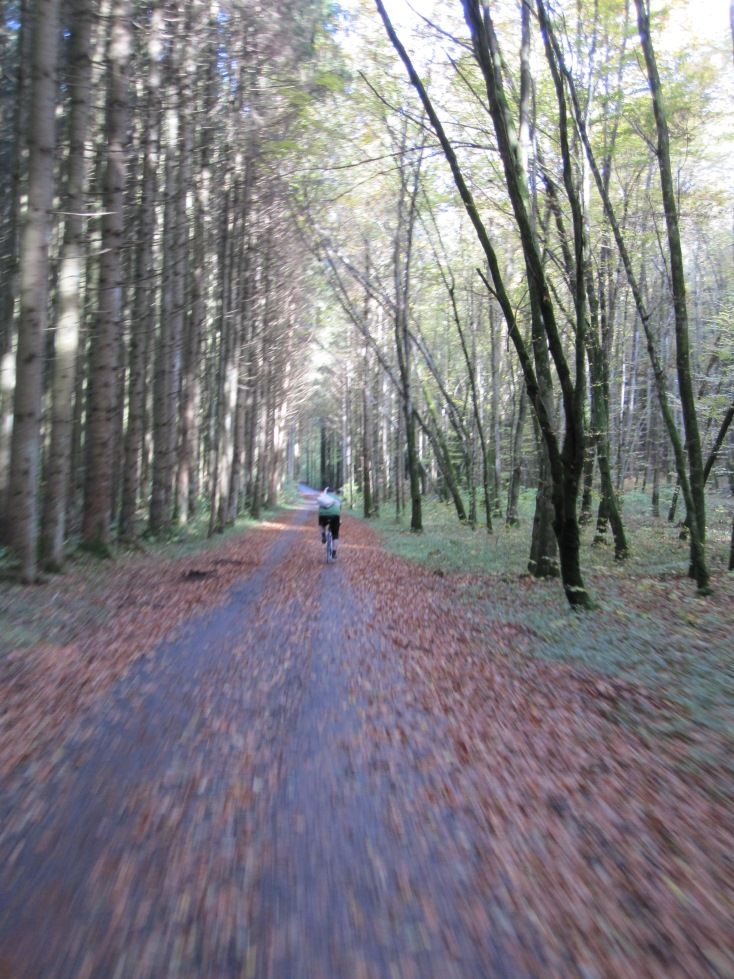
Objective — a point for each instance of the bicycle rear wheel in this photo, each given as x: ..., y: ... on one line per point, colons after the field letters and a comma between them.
x: 329, y: 546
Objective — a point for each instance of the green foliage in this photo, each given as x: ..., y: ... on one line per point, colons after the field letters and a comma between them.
x: 327, y: 80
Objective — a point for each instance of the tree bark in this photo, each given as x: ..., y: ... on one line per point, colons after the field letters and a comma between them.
x: 226, y: 375
x: 11, y: 195
x: 697, y: 510
x: 196, y: 320
x: 66, y: 343
x: 105, y: 342
x: 25, y: 447
x: 476, y: 409
x: 543, y: 557
x: 443, y: 454
x: 167, y: 378
x: 588, y: 481
x: 513, y: 491
x: 142, y: 326
x: 402, y: 254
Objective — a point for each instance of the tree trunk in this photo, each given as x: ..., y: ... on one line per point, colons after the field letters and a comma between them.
x: 187, y: 486
x: 167, y: 379
x: 239, y: 435
x: 70, y: 310
x: 142, y: 326
x: 398, y: 457
x: 543, y: 558
x: 367, y: 506
x: 402, y: 254
x: 588, y: 481
x: 11, y: 195
x: 681, y: 464
x: 226, y: 376
x: 655, y: 493
x: 105, y: 341
x: 496, y: 437
x: 525, y: 141
x: 513, y: 491
x: 443, y: 454
x: 697, y: 509
x: 608, y: 506
x: 25, y: 447
x: 477, y: 412
x: 416, y: 515
x: 186, y: 327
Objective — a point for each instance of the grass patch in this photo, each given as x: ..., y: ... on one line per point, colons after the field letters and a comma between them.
x: 655, y: 547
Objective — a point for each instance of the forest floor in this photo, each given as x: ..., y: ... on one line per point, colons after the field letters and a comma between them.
x: 649, y: 626
x: 241, y: 762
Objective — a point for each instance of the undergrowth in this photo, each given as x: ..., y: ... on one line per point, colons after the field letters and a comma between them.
x: 655, y: 544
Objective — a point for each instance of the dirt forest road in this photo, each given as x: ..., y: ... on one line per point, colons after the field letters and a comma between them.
x: 340, y: 773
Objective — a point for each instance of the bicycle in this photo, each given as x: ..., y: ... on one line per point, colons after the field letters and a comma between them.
x: 329, y: 545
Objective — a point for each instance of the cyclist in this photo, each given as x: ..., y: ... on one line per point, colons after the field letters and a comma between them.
x: 330, y: 508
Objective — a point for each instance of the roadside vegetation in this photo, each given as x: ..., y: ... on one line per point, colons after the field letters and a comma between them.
x: 649, y: 630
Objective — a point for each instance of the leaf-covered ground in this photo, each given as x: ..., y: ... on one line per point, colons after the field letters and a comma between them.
x: 649, y: 628
x: 250, y: 764
x: 63, y: 645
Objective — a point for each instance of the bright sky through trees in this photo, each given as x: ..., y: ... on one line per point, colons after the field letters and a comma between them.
x: 705, y: 20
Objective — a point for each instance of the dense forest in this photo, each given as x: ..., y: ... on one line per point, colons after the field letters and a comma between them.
x: 461, y: 252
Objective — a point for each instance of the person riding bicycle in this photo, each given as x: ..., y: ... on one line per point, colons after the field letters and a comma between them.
x: 330, y: 508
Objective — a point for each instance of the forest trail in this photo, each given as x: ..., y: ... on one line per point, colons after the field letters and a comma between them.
x: 333, y: 775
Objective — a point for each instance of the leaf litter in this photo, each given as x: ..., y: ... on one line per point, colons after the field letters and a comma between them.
x: 351, y: 772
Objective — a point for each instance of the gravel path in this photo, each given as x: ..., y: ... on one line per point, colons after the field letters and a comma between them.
x: 282, y: 791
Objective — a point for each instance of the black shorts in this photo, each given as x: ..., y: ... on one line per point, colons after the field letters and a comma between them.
x: 332, y: 522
